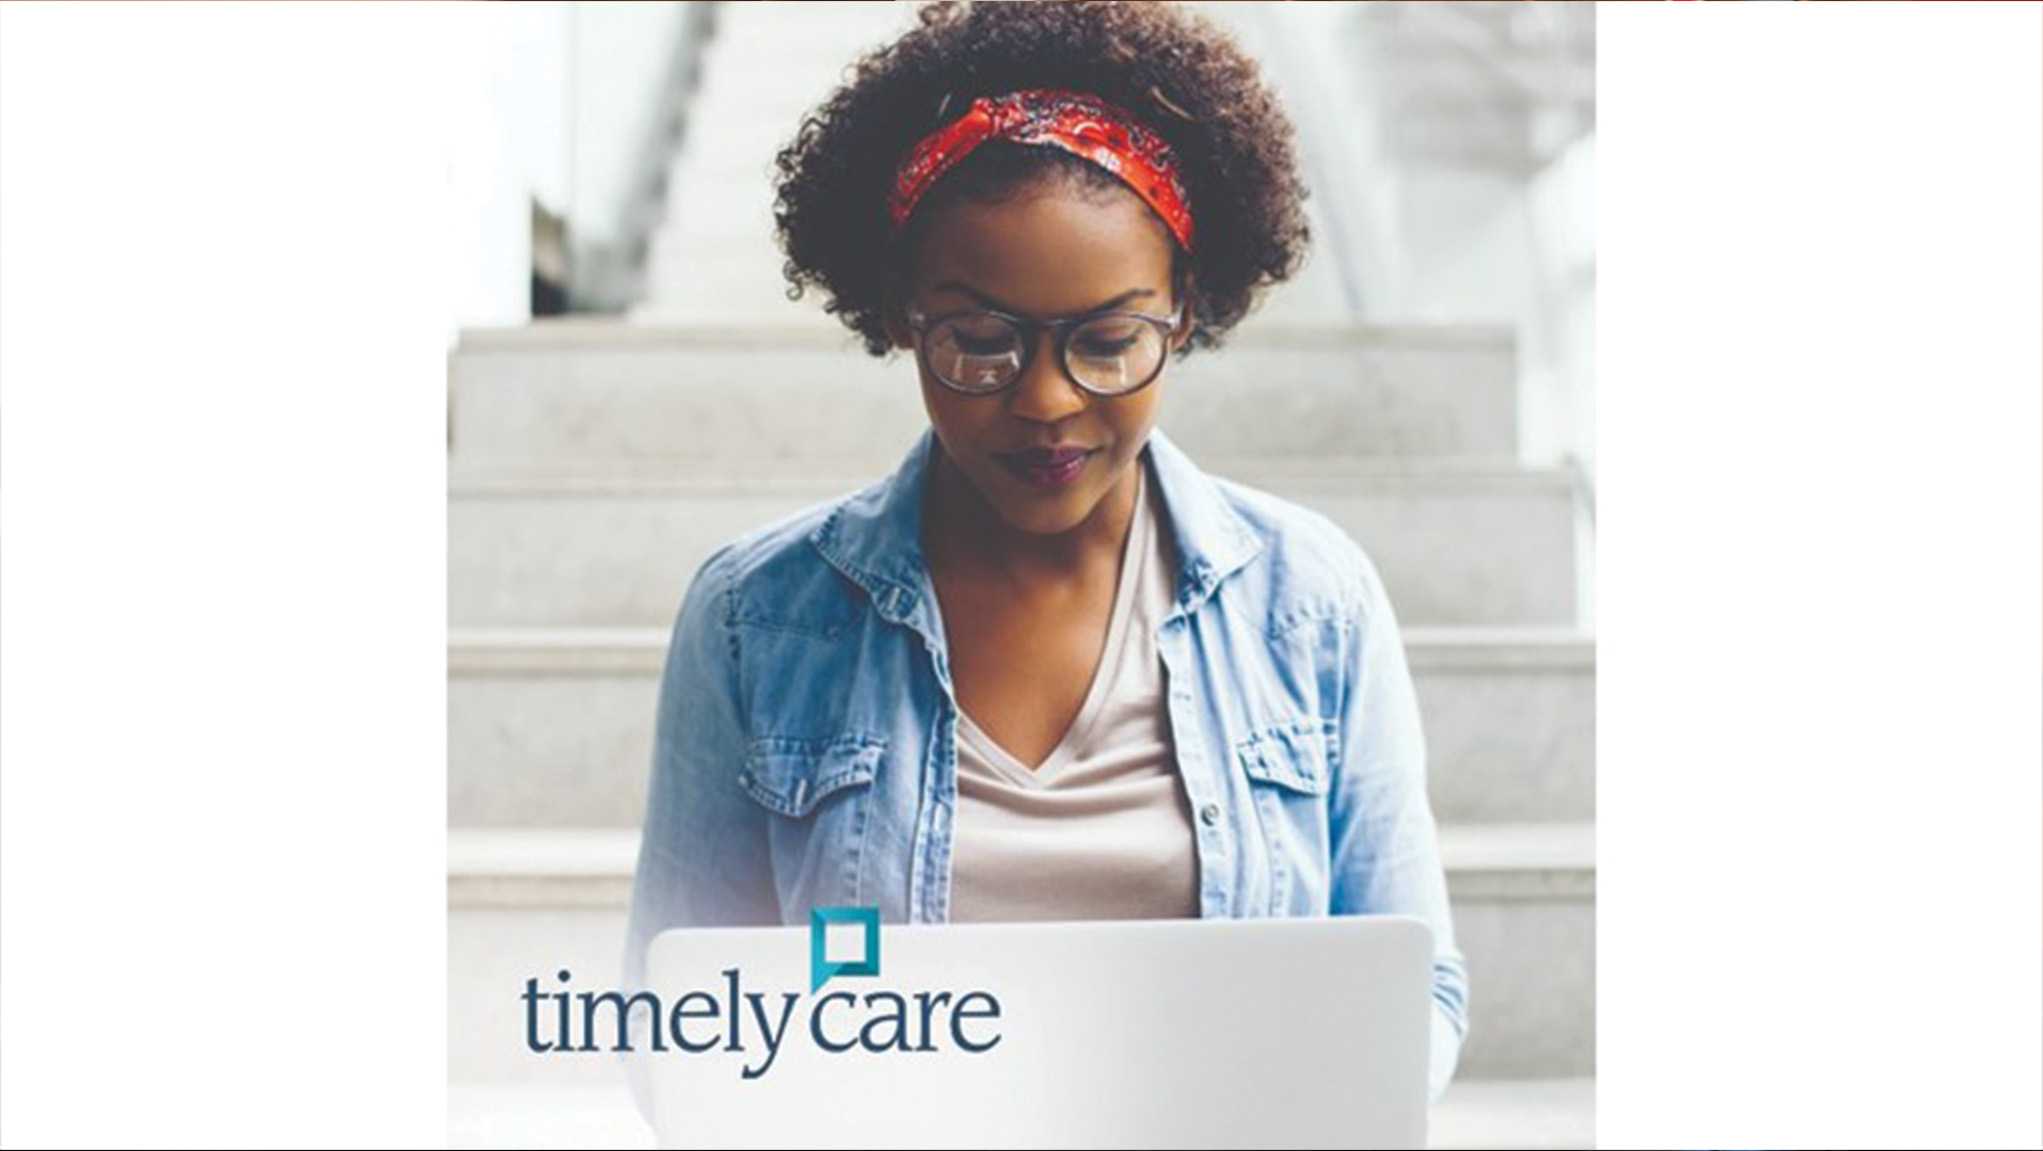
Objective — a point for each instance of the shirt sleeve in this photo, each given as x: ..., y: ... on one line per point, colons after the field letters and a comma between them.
x: 1384, y: 842
x: 702, y: 856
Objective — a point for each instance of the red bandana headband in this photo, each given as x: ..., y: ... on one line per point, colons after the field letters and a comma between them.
x: 1078, y: 122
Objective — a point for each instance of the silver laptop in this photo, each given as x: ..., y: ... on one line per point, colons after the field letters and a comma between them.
x: 1128, y: 1033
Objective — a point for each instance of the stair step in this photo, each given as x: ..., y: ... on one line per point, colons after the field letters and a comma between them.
x: 524, y: 902
x: 1488, y: 548
x: 605, y: 390
x: 1542, y: 1114
x: 592, y: 866
x: 553, y: 727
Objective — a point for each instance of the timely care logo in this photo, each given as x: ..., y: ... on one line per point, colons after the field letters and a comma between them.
x: 754, y: 1026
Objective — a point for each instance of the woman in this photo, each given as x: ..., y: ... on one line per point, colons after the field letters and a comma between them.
x: 1049, y: 668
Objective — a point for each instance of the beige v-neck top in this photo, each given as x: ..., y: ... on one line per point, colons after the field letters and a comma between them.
x: 1101, y: 829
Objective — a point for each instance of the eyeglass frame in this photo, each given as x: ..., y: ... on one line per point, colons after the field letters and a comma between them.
x: 1063, y: 326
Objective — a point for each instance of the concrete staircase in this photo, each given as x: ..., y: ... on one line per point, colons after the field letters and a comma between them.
x: 593, y: 463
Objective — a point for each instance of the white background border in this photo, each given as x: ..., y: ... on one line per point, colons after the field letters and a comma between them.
x: 1820, y: 665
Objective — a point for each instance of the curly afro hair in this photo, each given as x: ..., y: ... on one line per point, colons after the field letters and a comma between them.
x: 1184, y: 75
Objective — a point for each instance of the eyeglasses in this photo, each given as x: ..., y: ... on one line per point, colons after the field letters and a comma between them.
x: 981, y: 351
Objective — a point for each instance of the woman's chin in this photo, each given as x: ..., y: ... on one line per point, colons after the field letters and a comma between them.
x: 1039, y: 517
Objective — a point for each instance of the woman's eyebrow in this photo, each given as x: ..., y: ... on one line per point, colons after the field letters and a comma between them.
x: 987, y: 301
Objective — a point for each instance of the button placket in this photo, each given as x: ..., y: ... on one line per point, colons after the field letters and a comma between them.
x: 1208, y: 839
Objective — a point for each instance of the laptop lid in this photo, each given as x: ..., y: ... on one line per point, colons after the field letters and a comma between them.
x: 1287, y: 1032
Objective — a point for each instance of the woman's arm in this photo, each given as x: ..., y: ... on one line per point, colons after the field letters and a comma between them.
x: 702, y: 858
x: 1385, y: 846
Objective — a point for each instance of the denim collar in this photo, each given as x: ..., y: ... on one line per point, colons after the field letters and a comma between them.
x: 875, y: 536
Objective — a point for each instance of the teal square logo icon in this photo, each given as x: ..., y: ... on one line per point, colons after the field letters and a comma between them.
x: 821, y: 967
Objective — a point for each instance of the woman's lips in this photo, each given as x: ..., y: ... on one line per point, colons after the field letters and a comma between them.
x: 1047, y: 469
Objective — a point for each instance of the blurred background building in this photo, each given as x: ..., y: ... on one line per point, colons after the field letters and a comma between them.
x: 629, y: 386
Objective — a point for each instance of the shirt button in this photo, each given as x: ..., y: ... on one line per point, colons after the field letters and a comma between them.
x: 1210, y: 814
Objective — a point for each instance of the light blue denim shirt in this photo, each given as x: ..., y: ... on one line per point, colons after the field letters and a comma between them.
x: 806, y: 740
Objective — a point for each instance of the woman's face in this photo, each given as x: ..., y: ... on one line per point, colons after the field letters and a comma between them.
x: 1044, y: 254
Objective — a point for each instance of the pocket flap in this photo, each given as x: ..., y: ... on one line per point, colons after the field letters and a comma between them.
x: 1298, y: 754
x: 791, y: 776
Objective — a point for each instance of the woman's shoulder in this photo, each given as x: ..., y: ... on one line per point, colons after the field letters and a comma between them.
x: 773, y: 572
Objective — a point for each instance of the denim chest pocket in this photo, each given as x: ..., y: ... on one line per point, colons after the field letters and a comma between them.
x: 820, y: 793
x: 793, y: 776
x: 1296, y: 756
x: 1289, y: 765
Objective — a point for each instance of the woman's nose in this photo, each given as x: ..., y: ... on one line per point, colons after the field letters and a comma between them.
x: 1044, y: 393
